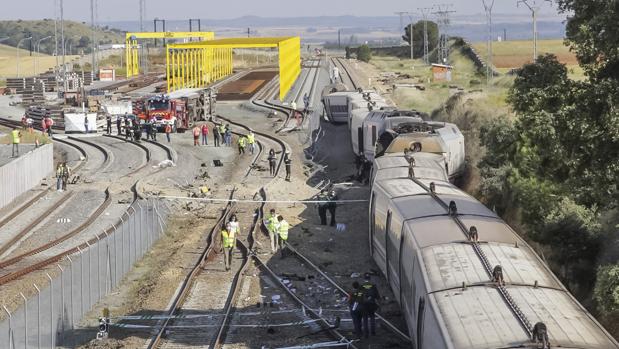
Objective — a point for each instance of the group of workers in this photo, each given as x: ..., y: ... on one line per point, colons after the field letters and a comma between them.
x: 278, y: 233
x: 63, y: 172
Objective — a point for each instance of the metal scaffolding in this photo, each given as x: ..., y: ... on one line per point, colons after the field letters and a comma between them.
x: 132, y: 47
x: 197, y: 64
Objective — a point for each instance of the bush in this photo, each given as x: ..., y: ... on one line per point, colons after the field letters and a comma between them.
x: 474, y: 82
x: 364, y: 53
x: 606, y: 291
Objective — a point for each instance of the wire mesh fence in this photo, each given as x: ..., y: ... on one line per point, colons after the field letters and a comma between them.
x: 81, y: 279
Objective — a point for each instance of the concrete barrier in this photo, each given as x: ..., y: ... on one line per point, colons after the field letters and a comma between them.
x: 25, y: 172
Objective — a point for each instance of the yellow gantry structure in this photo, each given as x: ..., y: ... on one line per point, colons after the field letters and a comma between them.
x: 197, y: 64
x: 131, y: 45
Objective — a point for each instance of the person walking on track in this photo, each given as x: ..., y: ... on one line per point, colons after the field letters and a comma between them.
x: 272, y: 162
x: 242, y: 141
x: 108, y: 124
x: 288, y: 163
x: 168, y: 130
x: 228, y: 241
x: 204, y: 130
x: 15, y: 139
x: 59, y: 177
x: 271, y: 224
x: 355, y: 303
x: 282, y: 231
x: 216, y: 135
x: 251, y: 141
x: 332, y: 205
x: 323, y: 203
x: 371, y: 299
x: 119, y: 124
x: 196, y: 135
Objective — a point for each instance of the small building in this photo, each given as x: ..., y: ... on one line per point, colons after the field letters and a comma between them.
x: 441, y: 72
x: 107, y: 74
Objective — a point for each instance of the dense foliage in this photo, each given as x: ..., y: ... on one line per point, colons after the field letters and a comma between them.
x: 557, y: 163
x: 364, y: 53
x: 418, y: 36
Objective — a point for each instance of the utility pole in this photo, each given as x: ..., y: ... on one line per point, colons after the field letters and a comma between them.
x: 56, y: 71
x: 488, y: 4
x: 142, y: 4
x: 443, y: 12
x: 424, y: 13
x: 94, y: 38
x: 191, y: 20
x: 410, y: 27
x: 162, y: 21
x: 339, y: 38
x: 534, y: 10
x: 64, y: 66
x: 248, y: 31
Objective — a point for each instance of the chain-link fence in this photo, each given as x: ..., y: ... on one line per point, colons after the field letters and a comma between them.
x: 81, y: 279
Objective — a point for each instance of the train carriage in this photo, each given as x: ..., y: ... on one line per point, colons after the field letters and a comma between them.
x: 446, y: 293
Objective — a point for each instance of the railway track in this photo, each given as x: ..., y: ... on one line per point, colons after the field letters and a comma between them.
x: 337, y: 61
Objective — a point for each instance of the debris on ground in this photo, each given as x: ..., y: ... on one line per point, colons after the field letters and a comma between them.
x: 165, y: 164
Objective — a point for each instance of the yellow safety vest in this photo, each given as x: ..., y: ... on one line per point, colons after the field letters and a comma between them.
x: 15, y: 136
x: 242, y: 142
x: 282, y: 229
x: 227, y: 238
x: 272, y: 223
x: 251, y: 139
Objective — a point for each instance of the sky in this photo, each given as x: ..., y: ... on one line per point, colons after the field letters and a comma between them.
x: 122, y: 10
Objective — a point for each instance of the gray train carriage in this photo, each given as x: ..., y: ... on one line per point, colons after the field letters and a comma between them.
x: 427, y: 166
x: 446, y: 295
x: 378, y: 122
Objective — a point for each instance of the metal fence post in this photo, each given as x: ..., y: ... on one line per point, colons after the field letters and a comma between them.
x: 61, y: 302
x: 122, y: 246
x: 71, y: 295
x: 98, y: 268
x: 130, y: 220
x: 10, y: 337
x: 81, y: 281
x: 89, y: 250
x: 25, y: 320
x: 154, y: 220
x: 115, y: 282
x: 51, y: 311
x: 38, y: 315
x: 108, y: 264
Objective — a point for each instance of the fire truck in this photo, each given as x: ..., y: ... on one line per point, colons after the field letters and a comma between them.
x: 181, y: 109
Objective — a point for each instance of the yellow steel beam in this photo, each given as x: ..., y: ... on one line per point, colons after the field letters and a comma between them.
x: 170, y: 35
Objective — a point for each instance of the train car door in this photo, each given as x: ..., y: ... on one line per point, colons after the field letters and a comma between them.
x: 420, y: 311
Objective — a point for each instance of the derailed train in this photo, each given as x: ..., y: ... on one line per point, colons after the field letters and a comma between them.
x: 440, y: 250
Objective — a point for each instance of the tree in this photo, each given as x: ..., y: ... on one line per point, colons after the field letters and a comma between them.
x: 606, y: 291
x: 364, y: 53
x: 418, y: 36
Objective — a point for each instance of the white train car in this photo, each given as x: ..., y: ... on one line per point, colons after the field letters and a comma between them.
x: 431, y: 137
x: 426, y: 166
x: 440, y: 276
x: 375, y: 124
x: 339, y: 106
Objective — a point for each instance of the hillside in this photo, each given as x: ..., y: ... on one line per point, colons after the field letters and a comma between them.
x: 77, y: 35
x: 8, y: 62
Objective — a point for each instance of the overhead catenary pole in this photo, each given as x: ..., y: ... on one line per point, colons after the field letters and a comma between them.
x: 534, y: 10
x: 64, y: 66
x: 488, y: 4
x: 443, y: 12
x: 56, y: 70
x: 93, y: 39
x: 410, y: 28
x: 37, y: 50
x: 17, y: 50
x: 424, y: 13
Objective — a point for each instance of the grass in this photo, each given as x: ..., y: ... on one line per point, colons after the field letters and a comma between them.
x: 508, y: 55
x: 8, y: 62
x: 26, y: 137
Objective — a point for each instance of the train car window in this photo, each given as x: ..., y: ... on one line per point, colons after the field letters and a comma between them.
x: 386, y: 242
x: 360, y: 140
x: 420, y: 311
x: 374, y: 135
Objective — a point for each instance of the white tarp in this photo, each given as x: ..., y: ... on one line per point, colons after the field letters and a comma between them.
x: 74, y: 122
x: 117, y: 108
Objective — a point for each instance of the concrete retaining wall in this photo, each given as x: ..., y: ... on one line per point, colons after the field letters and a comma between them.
x: 25, y: 172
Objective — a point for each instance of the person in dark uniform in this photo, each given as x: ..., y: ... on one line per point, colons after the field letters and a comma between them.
x: 288, y: 163
x: 355, y: 302
x: 371, y: 299
x: 323, y: 197
x: 108, y: 121
x: 272, y: 162
x: 216, y: 135
x: 119, y: 124
x: 332, y: 205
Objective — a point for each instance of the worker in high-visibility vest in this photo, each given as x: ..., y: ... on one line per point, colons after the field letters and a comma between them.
x: 282, y: 231
x: 242, y: 142
x: 251, y: 141
x: 228, y: 241
x: 271, y: 224
x: 15, y: 139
